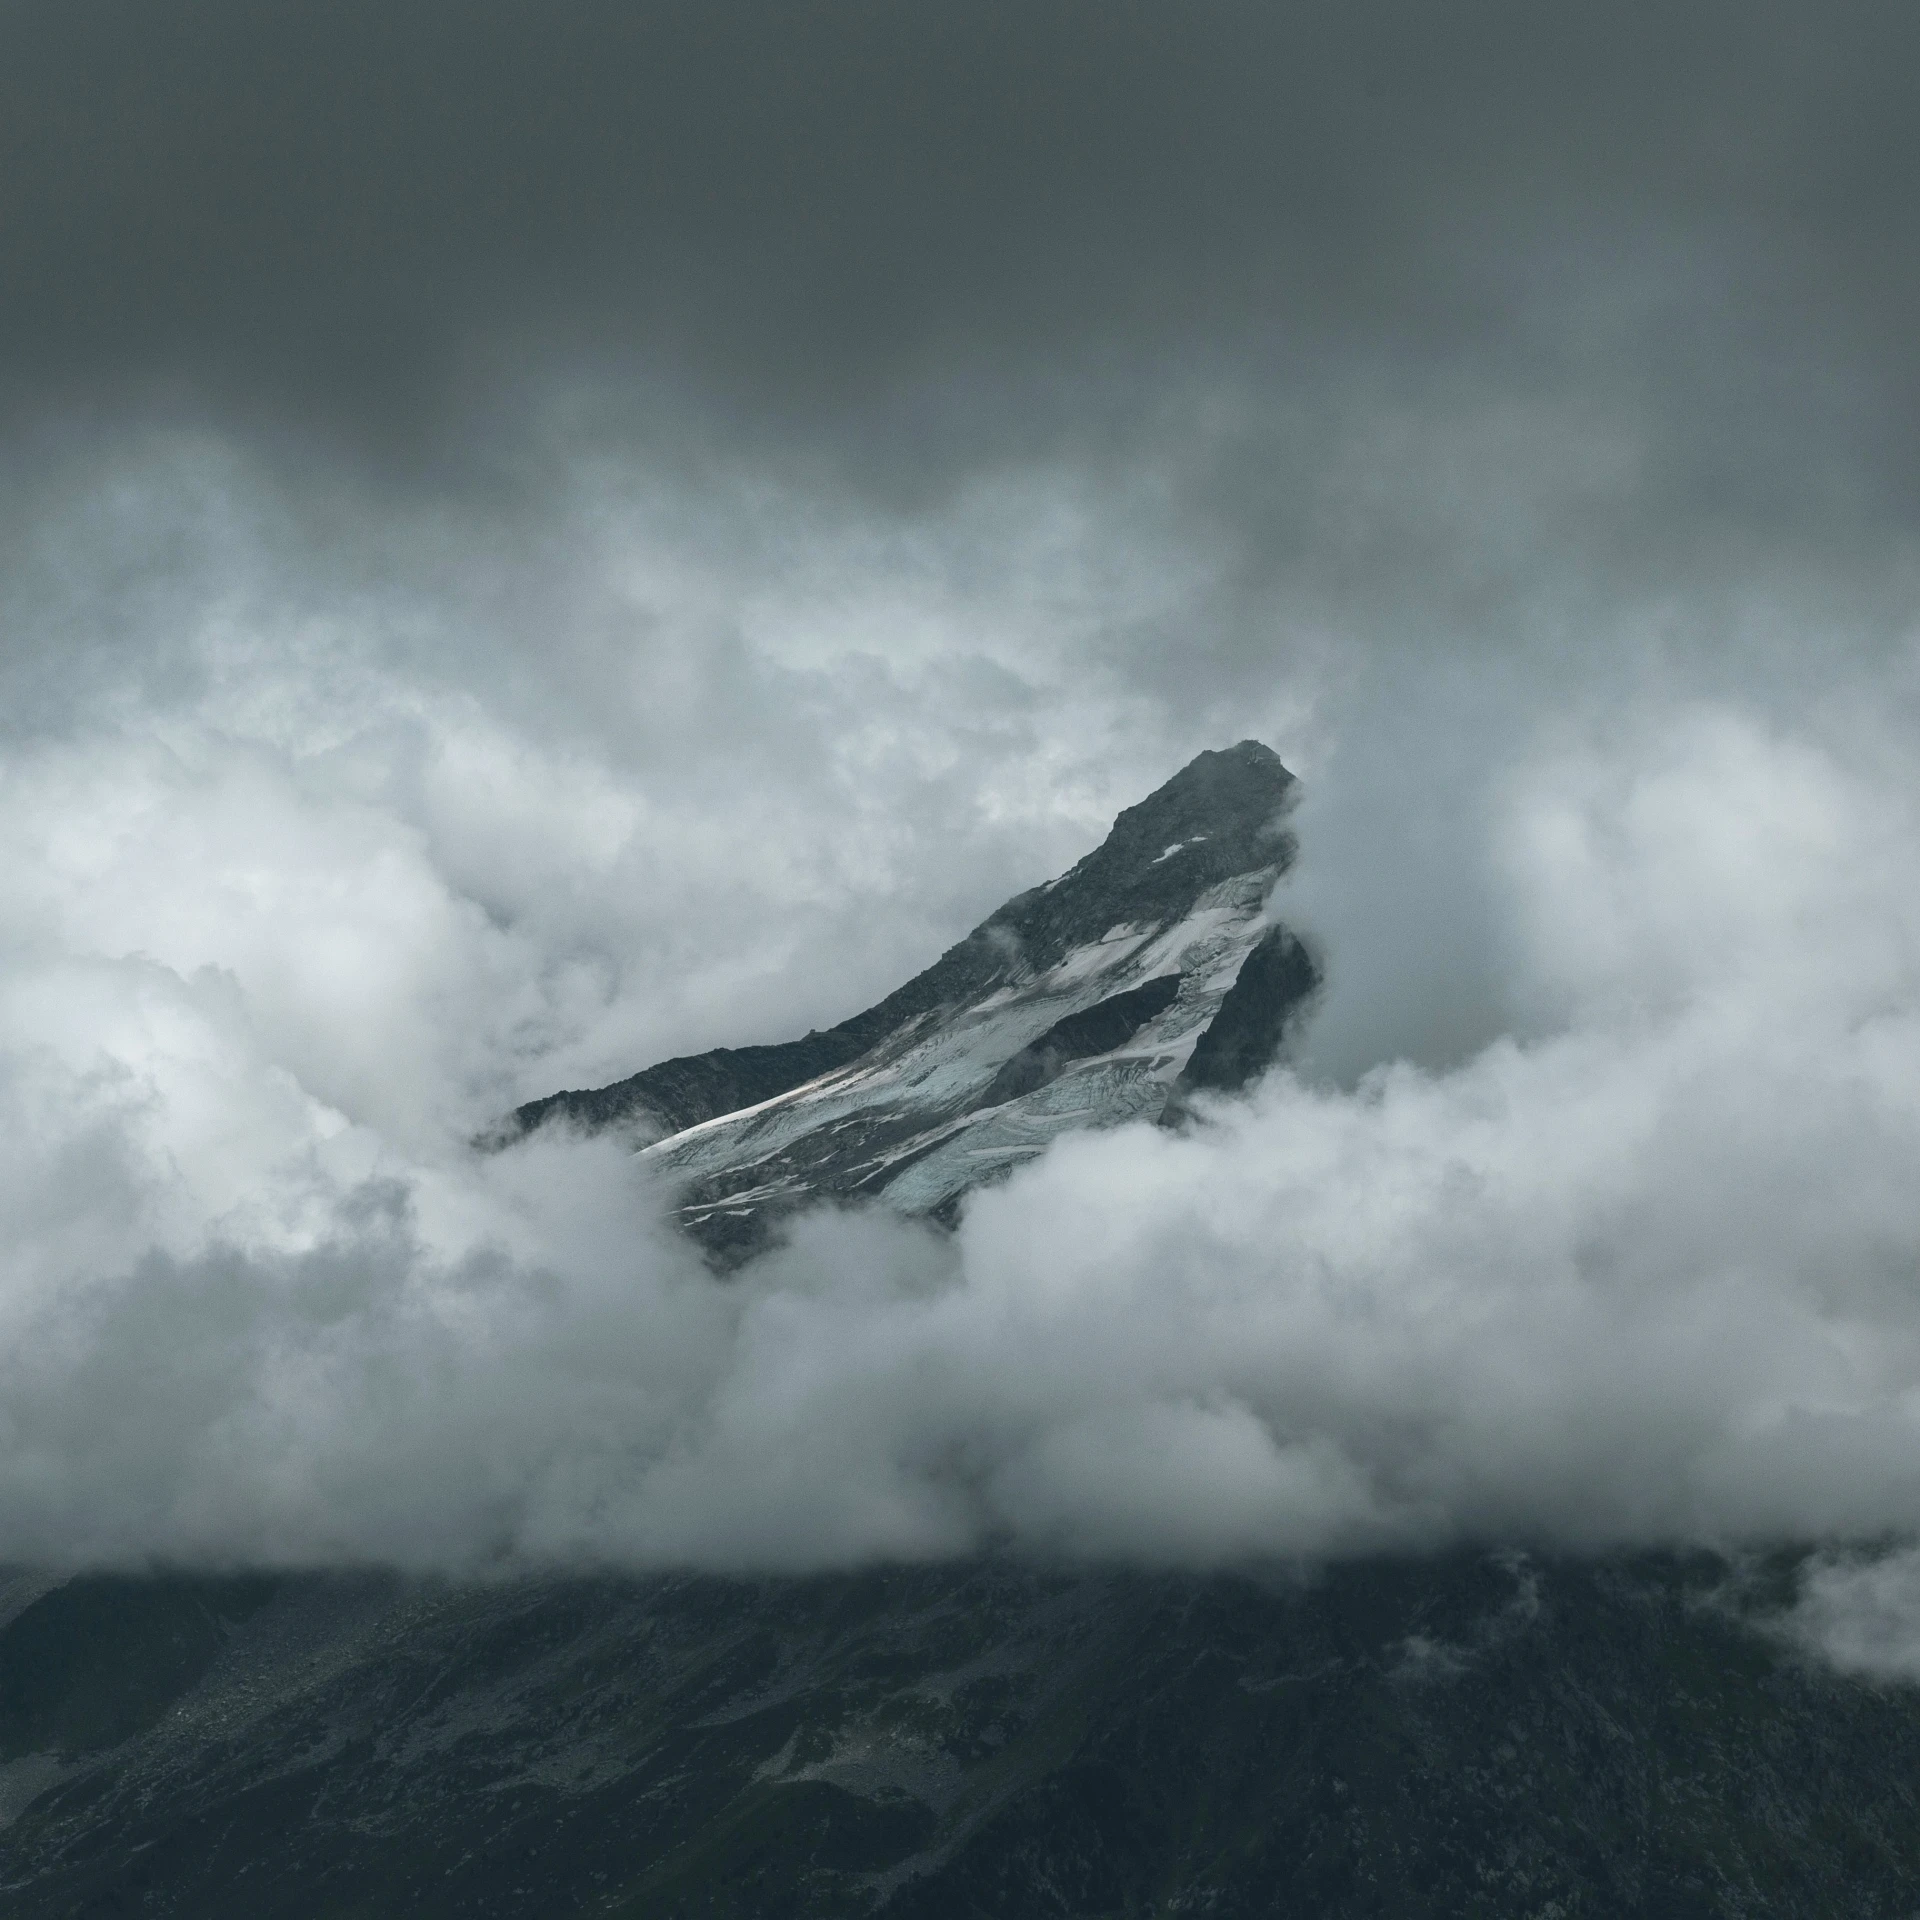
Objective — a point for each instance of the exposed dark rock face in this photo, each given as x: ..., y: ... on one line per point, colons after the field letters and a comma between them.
x: 683, y: 1092
x: 1274, y: 989
x: 1100, y: 1029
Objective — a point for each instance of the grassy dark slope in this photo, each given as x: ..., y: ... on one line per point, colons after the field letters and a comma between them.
x: 103, y: 1656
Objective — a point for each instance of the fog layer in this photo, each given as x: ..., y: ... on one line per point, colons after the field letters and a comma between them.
x: 1639, y: 1270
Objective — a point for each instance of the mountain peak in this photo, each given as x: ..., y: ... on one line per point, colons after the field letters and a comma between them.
x: 1145, y: 971
x: 1219, y: 816
x: 1229, y: 801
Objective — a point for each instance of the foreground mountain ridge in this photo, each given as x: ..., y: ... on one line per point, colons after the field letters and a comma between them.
x: 1474, y: 1737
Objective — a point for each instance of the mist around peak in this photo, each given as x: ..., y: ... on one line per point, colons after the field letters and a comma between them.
x: 1639, y: 1273
x: 500, y: 585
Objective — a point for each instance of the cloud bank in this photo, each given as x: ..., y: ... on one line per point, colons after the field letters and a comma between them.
x: 1641, y: 1270
x: 527, y: 547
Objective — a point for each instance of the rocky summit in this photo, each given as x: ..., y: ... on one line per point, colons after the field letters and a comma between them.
x: 1112, y: 993
x: 1469, y: 1736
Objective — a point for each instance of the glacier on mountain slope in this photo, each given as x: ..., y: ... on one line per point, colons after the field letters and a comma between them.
x: 910, y: 1099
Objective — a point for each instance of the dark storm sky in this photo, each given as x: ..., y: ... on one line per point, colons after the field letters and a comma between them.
x: 1326, y: 279
x: 881, y: 223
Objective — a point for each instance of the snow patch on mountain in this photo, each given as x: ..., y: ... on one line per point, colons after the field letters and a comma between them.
x: 903, y: 1124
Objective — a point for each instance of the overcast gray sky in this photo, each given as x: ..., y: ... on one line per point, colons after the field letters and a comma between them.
x: 536, y: 538
x: 700, y: 387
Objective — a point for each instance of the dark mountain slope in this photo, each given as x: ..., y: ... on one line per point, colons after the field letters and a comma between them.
x: 1463, y: 1737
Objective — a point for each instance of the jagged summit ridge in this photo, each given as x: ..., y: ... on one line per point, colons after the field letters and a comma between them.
x: 1104, y: 995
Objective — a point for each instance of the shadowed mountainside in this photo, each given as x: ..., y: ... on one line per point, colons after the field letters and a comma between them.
x: 1485, y: 1736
